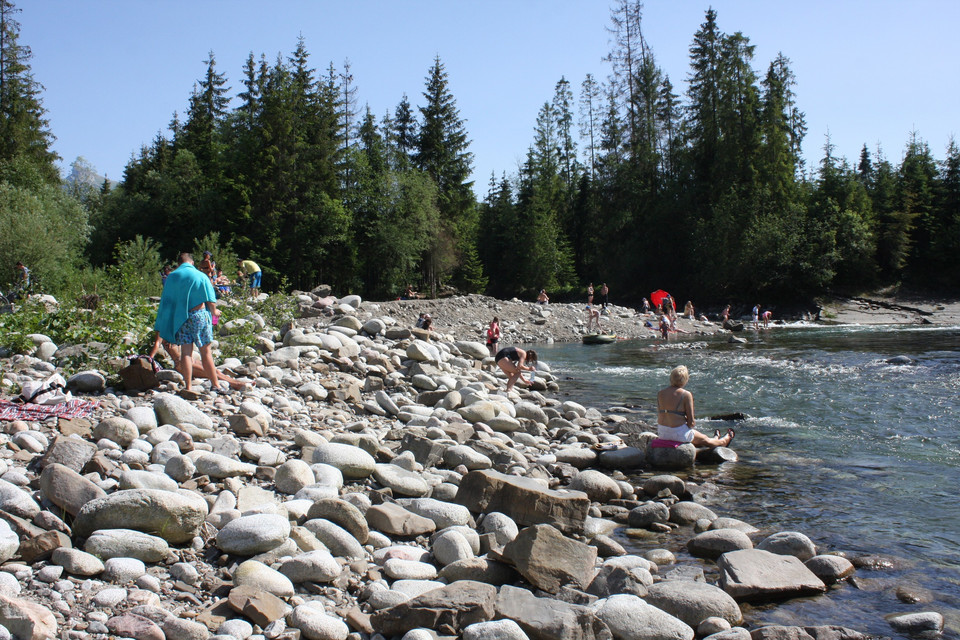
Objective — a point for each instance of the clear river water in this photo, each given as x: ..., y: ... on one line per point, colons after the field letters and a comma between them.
x: 861, y: 455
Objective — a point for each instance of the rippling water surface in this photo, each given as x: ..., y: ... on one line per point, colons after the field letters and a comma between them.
x: 861, y: 455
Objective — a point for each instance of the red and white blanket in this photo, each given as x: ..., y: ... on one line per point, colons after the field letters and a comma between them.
x: 37, y: 412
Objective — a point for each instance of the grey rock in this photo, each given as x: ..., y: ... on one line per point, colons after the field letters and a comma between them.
x: 524, y: 500
x: 126, y: 543
x: 757, y: 575
x: 292, y: 476
x: 789, y: 543
x: 656, y: 484
x: 494, y: 630
x: 15, y: 500
x: 315, y: 624
x: 171, y: 409
x: 394, y: 520
x: 689, y: 512
x: 467, y: 456
x: 258, y: 575
x: 693, y: 602
x: 9, y: 542
x: 444, y: 514
x: 913, y: 623
x: 548, y: 618
x: 712, y: 544
x: 117, y: 429
x: 86, y: 382
x: 647, y: 514
x: 253, y: 534
x: 68, y: 489
x: 598, y: 486
x: 175, y: 517
x: 335, y: 538
x: 122, y: 570
x: 778, y: 632
x: 401, y: 481
x: 681, y: 457
x: 630, y: 618
x: 353, y: 462
x: 452, y: 607
x: 139, y: 479
x: 830, y: 569
x: 549, y: 560
x: 343, y: 514
x: 623, y: 458
x: 313, y: 566
x: 73, y: 453
x: 220, y: 466
x: 77, y: 562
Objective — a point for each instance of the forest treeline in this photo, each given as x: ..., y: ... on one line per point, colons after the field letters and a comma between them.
x: 626, y: 180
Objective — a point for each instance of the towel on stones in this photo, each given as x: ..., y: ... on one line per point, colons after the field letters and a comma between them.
x: 76, y: 408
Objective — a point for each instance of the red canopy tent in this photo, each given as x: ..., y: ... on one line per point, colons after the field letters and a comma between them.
x: 656, y: 298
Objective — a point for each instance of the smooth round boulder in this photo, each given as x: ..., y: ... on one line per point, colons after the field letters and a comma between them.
x: 353, y: 462
x: 175, y: 517
x: 253, y: 573
x: 789, y: 543
x: 716, y: 542
x: 469, y: 457
x: 401, y: 481
x: 681, y: 457
x: 253, y: 534
x: 647, y: 514
x: 141, y: 479
x: 451, y: 546
x: 312, y: 566
x: 315, y: 624
x: 117, y: 429
x: 337, y: 539
x: 693, y: 602
x: 15, y: 500
x: 597, y: 485
x: 630, y: 618
x: 830, y: 569
x: 503, y: 527
x: 126, y: 543
x: 77, y: 562
x: 689, y: 512
x: 653, y: 486
x: 292, y: 476
x: 9, y: 542
x: 494, y: 630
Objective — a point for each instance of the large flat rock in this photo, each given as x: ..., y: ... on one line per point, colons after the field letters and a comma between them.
x: 550, y: 560
x: 526, y: 501
x: 757, y: 575
x: 549, y: 619
x: 448, y: 609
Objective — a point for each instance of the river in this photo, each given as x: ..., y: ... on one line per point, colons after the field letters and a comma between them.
x: 861, y: 455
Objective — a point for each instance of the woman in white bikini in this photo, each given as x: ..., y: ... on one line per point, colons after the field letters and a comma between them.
x: 677, y: 423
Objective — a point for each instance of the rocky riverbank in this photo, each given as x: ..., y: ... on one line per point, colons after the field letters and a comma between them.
x: 376, y: 481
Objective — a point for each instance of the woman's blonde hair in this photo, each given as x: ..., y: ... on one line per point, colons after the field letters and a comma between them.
x: 679, y: 376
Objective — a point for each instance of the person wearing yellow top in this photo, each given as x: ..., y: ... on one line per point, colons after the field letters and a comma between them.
x: 254, y: 274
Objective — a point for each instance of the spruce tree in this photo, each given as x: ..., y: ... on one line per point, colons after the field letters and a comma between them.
x: 24, y: 129
x: 443, y: 153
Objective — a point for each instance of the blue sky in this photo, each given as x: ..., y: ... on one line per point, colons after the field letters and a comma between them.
x: 114, y: 71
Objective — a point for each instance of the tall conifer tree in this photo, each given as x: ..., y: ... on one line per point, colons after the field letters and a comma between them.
x: 24, y: 129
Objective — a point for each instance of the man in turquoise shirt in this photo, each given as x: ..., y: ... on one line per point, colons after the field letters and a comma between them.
x: 184, y: 318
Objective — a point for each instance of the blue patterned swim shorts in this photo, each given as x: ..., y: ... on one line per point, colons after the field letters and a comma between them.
x: 198, y: 329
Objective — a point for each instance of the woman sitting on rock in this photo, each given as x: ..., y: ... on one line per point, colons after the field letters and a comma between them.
x: 513, y: 362
x: 675, y: 419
